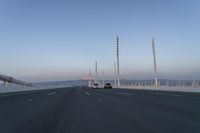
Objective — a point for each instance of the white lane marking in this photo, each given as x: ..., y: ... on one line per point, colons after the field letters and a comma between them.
x: 165, y: 94
x: 122, y: 93
x: 87, y: 93
x: 99, y: 100
x: 30, y: 100
x: 52, y: 93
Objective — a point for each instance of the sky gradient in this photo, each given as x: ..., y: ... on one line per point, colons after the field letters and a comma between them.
x: 46, y: 40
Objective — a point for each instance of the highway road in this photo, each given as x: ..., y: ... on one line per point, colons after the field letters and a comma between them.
x: 84, y: 110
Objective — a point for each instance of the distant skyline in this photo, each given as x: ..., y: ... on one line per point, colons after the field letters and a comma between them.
x: 48, y: 40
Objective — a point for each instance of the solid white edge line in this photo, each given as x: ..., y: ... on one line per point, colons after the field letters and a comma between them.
x: 166, y: 94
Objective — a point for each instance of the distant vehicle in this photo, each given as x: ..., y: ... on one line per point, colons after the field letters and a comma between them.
x: 108, y: 86
x: 95, y: 86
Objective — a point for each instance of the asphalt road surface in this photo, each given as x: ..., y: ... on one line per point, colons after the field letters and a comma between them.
x: 84, y: 110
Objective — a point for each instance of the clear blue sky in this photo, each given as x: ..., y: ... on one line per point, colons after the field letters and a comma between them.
x: 42, y: 40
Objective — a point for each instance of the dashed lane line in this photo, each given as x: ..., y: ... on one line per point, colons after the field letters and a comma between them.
x: 122, y: 93
x: 87, y: 93
x: 52, y: 93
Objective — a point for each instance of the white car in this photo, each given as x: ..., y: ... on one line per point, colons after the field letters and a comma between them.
x: 95, y: 86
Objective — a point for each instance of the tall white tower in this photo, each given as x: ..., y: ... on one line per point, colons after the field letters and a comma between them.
x: 118, y: 73
x: 96, y: 73
x: 103, y: 81
x: 115, y: 75
x: 90, y: 79
x: 155, y: 65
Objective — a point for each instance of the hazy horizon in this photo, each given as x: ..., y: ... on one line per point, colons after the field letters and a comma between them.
x: 61, y: 40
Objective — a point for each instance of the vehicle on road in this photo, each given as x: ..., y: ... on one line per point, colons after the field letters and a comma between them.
x: 108, y: 86
x: 95, y: 86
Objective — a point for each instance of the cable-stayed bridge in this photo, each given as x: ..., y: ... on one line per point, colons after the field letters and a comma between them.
x: 9, y: 79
